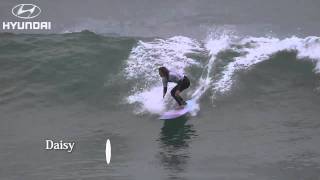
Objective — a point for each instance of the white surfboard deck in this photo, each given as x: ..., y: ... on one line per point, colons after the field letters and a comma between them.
x: 172, y: 114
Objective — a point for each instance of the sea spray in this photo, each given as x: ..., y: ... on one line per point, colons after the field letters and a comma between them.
x: 147, y: 56
x: 142, y: 66
x: 257, y: 50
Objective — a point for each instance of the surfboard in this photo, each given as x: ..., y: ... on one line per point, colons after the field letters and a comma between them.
x: 172, y: 114
x: 108, y: 151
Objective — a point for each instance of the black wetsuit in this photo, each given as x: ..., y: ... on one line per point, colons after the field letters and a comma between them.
x: 182, y: 83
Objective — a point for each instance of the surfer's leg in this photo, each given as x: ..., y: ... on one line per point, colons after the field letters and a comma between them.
x: 182, y: 85
x: 175, y: 94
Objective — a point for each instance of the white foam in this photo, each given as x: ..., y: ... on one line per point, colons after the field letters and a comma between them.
x: 260, y: 49
x: 146, y: 57
x: 143, y: 62
x: 149, y: 100
x: 214, y: 45
x: 310, y: 48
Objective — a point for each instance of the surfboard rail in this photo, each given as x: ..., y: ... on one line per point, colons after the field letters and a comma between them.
x: 173, y: 114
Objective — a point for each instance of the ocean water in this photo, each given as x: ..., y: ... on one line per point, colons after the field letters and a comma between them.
x: 254, y: 69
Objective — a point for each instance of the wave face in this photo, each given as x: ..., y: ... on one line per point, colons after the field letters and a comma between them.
x: 108, y: 71
x: 257, y: 105
x: 213, y: 65
x: 47, y: 70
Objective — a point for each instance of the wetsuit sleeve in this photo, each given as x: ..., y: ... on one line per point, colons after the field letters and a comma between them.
x: 164, y: 82
x: 165, y: 85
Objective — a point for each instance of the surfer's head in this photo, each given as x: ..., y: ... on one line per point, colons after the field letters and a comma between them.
x: 163, y: 71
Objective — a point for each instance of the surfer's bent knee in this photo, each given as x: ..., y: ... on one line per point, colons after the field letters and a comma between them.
x: 173, y: 92
x: 177, y: 93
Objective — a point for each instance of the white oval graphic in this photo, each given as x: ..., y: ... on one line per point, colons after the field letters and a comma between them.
x: 108, y: 151
x: 26, y: 11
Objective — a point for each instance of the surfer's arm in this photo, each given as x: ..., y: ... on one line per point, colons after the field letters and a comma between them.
x: 164, y: 91
x: 165, y: 85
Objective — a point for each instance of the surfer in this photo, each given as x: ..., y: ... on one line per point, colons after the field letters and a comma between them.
x: 182, y: 84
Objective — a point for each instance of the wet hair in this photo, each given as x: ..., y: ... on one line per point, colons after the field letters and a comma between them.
x: 164, y: 71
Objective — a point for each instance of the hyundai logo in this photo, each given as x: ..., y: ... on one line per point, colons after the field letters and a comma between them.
x: 26, y: 11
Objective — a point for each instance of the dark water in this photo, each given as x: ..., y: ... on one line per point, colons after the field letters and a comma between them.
x: 258, y: 114
x: 168, y: 18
